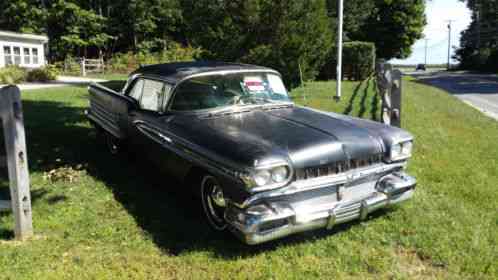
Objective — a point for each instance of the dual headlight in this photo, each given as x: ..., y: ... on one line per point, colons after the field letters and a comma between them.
x: 269, y: 178
x: 401, y: 151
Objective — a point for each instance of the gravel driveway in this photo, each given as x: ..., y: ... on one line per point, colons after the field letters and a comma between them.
x: 477, y: 90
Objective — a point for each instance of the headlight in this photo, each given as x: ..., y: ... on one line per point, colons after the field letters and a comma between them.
x: 269, y: 178
x: 407, y: 148
x: 279, y: 174
x: 262, y: 177
x: 401, y: 151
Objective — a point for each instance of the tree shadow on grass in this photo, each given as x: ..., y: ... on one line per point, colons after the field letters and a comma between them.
x: 363, y: 101
x: 351, y: 101
x: 58, y: 134
x: 374, y: 107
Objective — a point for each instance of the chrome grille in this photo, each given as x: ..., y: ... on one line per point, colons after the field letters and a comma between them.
x: 337, y: 167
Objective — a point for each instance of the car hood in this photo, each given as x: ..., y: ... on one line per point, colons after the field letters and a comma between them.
x: 301, y: 136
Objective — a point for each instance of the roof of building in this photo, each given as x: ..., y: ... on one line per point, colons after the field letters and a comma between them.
x: 24, y: 36
x: 179, y: 70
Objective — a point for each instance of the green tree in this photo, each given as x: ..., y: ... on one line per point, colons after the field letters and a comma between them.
x: 479, y: 42
x: 394, y: 26
x: 282, y: 34
x: 27, y: 16
x: 74, y: 29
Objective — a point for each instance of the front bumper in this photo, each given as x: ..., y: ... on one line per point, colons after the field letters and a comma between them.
x: 281, y: 216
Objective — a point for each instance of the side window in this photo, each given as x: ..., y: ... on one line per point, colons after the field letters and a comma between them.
x: 151, y: 95
x: 136, y: 91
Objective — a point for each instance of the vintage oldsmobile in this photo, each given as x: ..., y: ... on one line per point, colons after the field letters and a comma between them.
x: 262, y: 166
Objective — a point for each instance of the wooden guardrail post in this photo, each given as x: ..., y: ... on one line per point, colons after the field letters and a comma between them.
x: 17, y: 161
x: 83, y: 67
x: 390, y: 88
x: 396, y: 87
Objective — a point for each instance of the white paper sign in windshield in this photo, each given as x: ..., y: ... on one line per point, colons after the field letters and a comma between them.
x: 254, y: 83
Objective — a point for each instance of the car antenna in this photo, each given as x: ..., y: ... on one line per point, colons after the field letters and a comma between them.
x: 302, y: 82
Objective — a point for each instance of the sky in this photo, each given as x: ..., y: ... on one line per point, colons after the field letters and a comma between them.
x: 436, y: 30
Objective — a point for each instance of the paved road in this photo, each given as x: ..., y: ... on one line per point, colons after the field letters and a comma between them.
x: 477, y: 90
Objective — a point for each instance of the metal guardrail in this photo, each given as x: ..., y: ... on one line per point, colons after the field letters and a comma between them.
x: 16, y: 158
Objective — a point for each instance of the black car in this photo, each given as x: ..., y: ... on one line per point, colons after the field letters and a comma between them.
x: 263, y: 167
x: 420, y: 67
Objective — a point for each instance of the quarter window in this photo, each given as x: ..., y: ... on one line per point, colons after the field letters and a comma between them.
x: 27, y: 58
x: 136, y: 91
x: 7, y: 55
x: 151, y: 95
x: 17, y: 55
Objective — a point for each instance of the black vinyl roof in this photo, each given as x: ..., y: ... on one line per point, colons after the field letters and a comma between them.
x: 179, y: 70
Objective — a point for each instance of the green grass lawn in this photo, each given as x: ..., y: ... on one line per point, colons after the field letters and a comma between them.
x: 115, y: 220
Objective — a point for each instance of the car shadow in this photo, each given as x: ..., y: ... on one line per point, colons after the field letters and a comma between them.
x: 59, y: 135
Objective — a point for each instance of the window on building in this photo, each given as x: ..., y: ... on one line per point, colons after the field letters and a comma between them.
x: 34, y: 52
x: 7, y: 55
x: 27, y: 58
x: 17, y: 55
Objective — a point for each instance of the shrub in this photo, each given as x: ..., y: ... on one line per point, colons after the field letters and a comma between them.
x: 47, y: 73
x: 12, y: 75
x: 358, y: 61
x: 126, y: 62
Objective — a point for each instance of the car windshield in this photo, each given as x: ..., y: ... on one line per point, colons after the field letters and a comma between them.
x: 216, y: 91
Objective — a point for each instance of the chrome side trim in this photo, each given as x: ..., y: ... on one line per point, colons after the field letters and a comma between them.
x: 326, y: 181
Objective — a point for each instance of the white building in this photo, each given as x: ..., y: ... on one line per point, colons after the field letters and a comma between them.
x: 25, y: 50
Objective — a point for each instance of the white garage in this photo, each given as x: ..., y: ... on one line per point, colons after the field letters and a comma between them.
x: 25, y: 50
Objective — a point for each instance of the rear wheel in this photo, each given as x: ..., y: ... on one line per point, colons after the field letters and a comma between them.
x: 213, y: 202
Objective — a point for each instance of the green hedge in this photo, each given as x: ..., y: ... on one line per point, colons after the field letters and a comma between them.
x: 12, y: 75
x: 127, y: 62
x: 16, y: 75
x: 45, y: 74
x: 358, y: 61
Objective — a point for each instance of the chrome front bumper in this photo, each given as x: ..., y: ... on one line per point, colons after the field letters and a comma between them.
x: 278, y: 217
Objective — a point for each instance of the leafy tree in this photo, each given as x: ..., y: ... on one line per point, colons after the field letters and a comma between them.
x: 26, y: 16
x: 394, y: 26
x: 283, y: 34
x: 479, y: 42
x: 356, y: 15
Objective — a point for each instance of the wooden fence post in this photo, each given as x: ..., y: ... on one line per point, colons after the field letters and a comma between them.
x: 384, y: 82
x: 83, y: 67
x: 396, y: 87
x: 17, y: 160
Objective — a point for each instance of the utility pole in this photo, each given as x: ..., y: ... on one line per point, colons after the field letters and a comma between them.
x: 449, y: 43
x: 340, y: 18
x: 425, y: 59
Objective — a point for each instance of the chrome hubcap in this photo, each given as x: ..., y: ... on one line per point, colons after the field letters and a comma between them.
x: 214, y: 202
x: 217, y: 196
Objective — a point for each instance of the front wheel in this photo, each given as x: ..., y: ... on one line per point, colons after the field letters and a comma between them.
x: 213, y: 202
x: 113, y: 144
